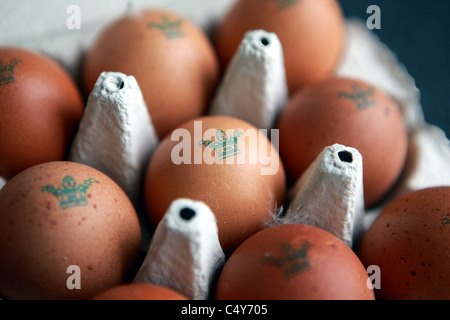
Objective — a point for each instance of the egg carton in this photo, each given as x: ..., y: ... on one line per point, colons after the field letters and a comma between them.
x: 338, y: 205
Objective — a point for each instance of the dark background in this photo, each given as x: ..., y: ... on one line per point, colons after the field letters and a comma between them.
x: 418, y: 32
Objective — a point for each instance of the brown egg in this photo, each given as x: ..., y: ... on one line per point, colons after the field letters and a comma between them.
x: 226, y: 163
x: 64, y: 224
x: 311, y: 32
x: 352, y: 113
x: 139, y: 291
x: 293, y: 262
x: 40, y: 108
x: 410, y: 243
x: 171, y: 58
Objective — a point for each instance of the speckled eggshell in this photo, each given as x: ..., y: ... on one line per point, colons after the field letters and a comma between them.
x: 241, y: 197
x: 171, y: 58
x: 293, y: 262
x: 312, y: 33
x: 61, y: 214
x: 410, y: 242
x: 352, y: 113
x: 139, y: 291
x: 40, y: 108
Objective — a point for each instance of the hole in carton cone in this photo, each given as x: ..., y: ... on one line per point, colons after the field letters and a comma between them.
x: 265, y: 41
x: 345, y: 156
x: 187, y: 213
x: 113, y: 84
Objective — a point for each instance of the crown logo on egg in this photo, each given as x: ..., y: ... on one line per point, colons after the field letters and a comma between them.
x: 225, y: 146
x: 445, y: 221
x: 7, y: 71
x: 172, y: 29
x: 70, y: 194
x: 362, y: 98
x: 292, y: 261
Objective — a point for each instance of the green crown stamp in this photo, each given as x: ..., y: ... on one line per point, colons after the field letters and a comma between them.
x: 292, y: 261
x: 362, y: 98
x: 70, y: 194
x: 225, y: 146
x: 7, y: 72
x: 171, y: 28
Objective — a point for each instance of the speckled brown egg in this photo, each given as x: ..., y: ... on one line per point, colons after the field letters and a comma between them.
x: 67, y: 232
x: 40, y: 108
x: 312, y: 33
x: 225, y: 162
x: 350, y: 112
x: 410, y: 243
x: 171, y: 58
x: 293, y: 262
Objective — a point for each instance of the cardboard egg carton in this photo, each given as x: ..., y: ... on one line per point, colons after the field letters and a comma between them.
x: 338, y: 208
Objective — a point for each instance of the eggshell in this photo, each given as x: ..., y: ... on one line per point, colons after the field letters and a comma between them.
x: 311, y: 32
x: 171, y: 58
x: 242, y: 190
x: 352, y: 113
x: 293, y: 262
x: 59, y: 216
x: 40, y: 108
x: 139, y: 291
x: 410, y: 242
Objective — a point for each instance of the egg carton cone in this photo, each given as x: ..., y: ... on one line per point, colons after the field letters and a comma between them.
x: 254, y: 87
x: 116, y: 134
x: 184, y: 253
x: 330, y: 194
